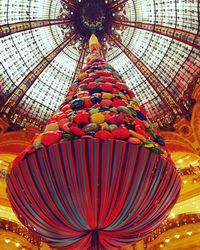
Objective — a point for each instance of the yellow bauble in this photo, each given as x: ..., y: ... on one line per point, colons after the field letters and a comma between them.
x: 82, y: 76
x: 97, y: 118
x: 107, y: 96
x: 52, y: 127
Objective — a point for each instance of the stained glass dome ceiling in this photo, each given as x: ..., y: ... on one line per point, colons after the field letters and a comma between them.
x: 154, y: 44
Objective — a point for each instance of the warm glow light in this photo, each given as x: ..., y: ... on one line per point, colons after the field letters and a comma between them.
x: 184, y: 182
x: 167, y: 240
x: 17, y: 244
x: 177, y: 236
x: 172, y: 215
x: 180, y: 161
x: 7, y: 240
x: 189, y: 233
x: 161, y: 246
x: 194, y: 162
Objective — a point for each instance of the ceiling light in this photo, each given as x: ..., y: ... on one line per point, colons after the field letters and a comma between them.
x: 177, y: 236
x: 17, y: 244
x: 167, y: 240
x: 7, y: 241
x: 189, y: 233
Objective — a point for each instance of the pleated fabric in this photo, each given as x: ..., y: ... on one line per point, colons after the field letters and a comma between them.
x: 93, y: 194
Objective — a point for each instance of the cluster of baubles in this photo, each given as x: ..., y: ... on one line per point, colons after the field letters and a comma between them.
x: 100, y: 105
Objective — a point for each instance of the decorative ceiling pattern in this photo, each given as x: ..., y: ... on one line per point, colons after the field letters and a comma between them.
x: 154, y: 44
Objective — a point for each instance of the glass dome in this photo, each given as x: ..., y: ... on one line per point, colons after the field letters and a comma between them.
x: 154, y: 45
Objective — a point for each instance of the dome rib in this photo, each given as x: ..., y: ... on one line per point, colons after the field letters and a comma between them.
x: 119, y: 3
x: 80, y: 61
x: 183, y: 36
x: 13, y: 28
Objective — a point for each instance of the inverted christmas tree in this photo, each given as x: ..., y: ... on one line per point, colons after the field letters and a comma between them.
x: 98, y: 177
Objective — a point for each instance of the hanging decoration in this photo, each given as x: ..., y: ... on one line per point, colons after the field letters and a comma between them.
x: 97, y: 177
